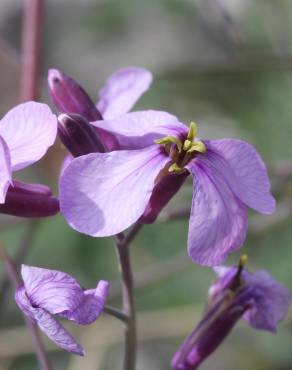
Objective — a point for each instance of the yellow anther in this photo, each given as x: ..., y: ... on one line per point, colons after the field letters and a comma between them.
x: 193, y: 130
x: 169, y: 140
x: 187, y: 145
x: 197, y: 146
x: 175, y: 168
x: 243, y: 260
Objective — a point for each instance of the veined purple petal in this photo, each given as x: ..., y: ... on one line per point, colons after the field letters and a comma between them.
x: 102, y: 194
x: 137, y: 130
x: 218, y: 220
x: 23, y: 302
x: 51, y: 290
x: 245, y: 172
x: 267, y: 299
x: 271, y: 301
x: 29, y: 130
x: 48, y: 325
x: 5, y: 170
x: 121, y: 91
x: 91, y: 307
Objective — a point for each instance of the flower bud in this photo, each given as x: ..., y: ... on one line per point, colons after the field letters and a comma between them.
x: 78, y: 136
x: 70, y: 97
x: 29, y: 200
x: 256, y: 297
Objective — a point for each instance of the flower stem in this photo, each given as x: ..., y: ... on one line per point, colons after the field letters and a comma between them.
x: 36, y: 339
x: 115, y: 312
x: 31, y: 45
x: 128, y: 306
x: 122, y: 244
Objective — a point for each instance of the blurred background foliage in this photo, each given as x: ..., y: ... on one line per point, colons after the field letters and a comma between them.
x: 225, y: 64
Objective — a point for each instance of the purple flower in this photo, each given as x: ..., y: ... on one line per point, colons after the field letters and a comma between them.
x: 45, y: 293
x: 26, y: 132
x: 102, y: 194
x: 119, y: 94
x: 256, y: 297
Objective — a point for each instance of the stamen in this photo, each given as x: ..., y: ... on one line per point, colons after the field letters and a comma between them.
x: 187, y: 145
x: 193, y: 130
x: 168, y: 140
x: 237, y: 282
x: 175, y: 168
x: 243, y: 261
x: 197, y: 146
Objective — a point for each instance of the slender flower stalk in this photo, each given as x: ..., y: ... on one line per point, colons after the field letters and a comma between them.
x: 36, y: 339
x: 31, y: 45
x: 115, y: 312
x: 122, y: 243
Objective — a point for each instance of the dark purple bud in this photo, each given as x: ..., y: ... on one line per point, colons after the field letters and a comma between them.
x: 210, y: 332
x: 70, y: 97
x: 78, y: 136
x: 29, y: 200
x: 162, y: 193
x: 256, y: 297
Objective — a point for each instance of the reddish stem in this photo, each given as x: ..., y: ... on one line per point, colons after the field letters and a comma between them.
x: 31, y: 46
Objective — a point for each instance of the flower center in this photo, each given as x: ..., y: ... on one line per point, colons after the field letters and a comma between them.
x: 181, y: 152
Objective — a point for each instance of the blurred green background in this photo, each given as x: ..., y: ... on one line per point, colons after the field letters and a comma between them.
x: 225, y: 64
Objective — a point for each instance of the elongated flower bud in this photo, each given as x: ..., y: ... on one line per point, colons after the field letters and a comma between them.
x: 78, y: 136
x: 29, y: 200
x: 70, y: 97
x: 256, y: 297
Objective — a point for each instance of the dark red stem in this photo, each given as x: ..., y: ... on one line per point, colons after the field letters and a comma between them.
x: 31, y: 46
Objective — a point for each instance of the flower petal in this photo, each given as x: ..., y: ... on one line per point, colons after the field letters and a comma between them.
x: 91, y: 307
x: 52, y: 290
x: 51, y: 327
x: 271, y: 301
x: 218, y: 221
x: 121, y: 91
x: 137, y: 130
x: 29, y: 130
x: 247, y: 173
x: 5, y: 170
x: 102, y: 194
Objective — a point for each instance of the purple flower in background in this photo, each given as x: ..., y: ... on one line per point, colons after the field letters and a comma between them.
x: 102, y: 194
x: 256, y: 297
x: 26, y: 132
x: 45, y: 293
x: 119, y: 94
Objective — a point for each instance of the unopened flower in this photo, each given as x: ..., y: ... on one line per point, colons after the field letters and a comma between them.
x: 26, y: 132
x: 102, y: 194
x: 119, y: 94
x: 47, y: 293
x: 78, y: 135
x: 256, y: 297
x: 29, y: 200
